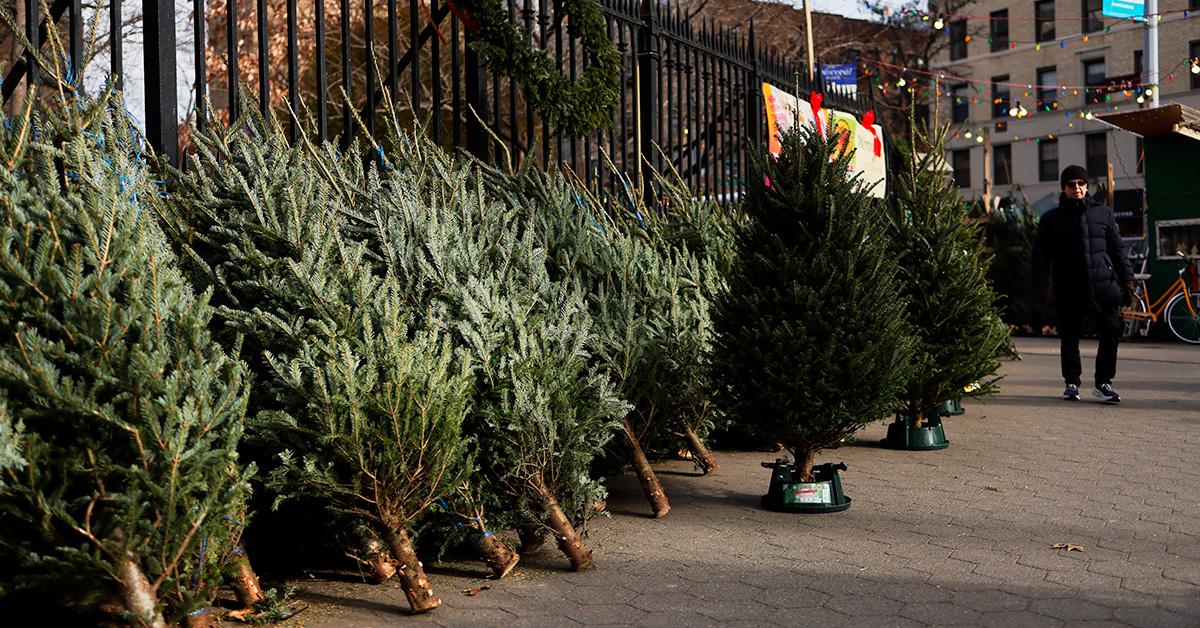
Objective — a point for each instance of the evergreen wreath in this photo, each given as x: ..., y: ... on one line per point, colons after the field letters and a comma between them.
x: 577, y: 108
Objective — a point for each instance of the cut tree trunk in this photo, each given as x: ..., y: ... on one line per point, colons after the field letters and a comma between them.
x: 804, y: 466
x: 379, y: 559
x: 412, y: 574
x: 568, y: 540
x: 641, y: 466
x: 498, y: 555
x: 136, y: 594
x: 245, y: 581
x: 703, y: 457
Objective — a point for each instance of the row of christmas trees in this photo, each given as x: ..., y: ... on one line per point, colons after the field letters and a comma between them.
x: 387, y: 339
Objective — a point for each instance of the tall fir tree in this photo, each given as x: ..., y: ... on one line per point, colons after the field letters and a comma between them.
x: 949, y: 300
x: 124, y: 414
x: 811, y: 339
x: 361, y: 405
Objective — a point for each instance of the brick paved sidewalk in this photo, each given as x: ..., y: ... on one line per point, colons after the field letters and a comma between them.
x: 955, y: 536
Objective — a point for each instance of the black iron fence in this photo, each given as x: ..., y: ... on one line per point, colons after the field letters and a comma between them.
x: 690, y: 96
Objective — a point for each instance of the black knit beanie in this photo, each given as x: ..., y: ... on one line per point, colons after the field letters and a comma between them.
x: 1072, y: 173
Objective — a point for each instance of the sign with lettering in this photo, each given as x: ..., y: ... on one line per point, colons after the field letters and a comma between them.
x: 1125, y: 9
x: 840, y: 74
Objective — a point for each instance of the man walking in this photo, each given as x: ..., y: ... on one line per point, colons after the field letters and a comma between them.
x: 1079, y: 244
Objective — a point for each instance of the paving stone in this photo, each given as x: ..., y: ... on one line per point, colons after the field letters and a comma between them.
x: 940, y: 614
x: 1017, y: 619
x: 990, y: 601
x: 1070, y: 609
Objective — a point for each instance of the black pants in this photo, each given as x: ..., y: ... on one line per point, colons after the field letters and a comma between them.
x: 1108, y: 328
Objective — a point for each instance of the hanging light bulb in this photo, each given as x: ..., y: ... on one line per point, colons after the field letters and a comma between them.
x: 1196, y: 68
x: 938, y: 24
x: 978, y: 139
x: 901, y: 82
x: 1088, y: 116
x: 1149, y: 91
x: 967, y: 135
x: 1141, y: 99
x: 1037, y: 46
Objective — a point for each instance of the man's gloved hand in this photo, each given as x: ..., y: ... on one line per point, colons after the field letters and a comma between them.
x: 1043, y: 295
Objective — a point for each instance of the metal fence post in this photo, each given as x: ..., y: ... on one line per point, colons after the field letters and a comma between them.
x: 476, y: 111
x: 754, y: 103
x: 647, y: 99
x: 161, y: 101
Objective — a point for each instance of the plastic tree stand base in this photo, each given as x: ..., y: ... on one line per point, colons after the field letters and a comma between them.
x: 777, y: 497
x: 902, y: 435
x: 950, y: 407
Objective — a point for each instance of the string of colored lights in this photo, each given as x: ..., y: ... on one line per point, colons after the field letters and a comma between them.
x: 934, y: 15
x: 903, y: 71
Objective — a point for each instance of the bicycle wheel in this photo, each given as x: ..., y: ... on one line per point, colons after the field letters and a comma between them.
x: 1184, y: 324
x: 1134, y: 325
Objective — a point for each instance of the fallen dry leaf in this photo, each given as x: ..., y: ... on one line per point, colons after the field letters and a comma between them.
x: 1070, y: 547
x: 475, y: 590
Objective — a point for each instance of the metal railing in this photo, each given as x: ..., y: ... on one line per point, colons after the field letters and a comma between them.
x: 690, y: 95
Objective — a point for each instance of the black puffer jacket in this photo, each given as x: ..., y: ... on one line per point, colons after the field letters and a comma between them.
x: 1079, y: 243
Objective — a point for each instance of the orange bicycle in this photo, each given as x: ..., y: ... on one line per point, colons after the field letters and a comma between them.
x: 1180, y: 305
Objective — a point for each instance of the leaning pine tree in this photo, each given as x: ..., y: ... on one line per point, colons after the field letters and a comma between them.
x: 362, y: 407
x: 944, y: 276
x: 811, y: 339
x: 119, y: 460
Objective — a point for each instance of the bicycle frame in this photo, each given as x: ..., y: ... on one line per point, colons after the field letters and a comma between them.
x: 1155, y: 310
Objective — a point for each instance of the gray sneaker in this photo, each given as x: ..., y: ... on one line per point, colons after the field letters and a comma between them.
x: 1071, y: 393
x: 1106, y: 393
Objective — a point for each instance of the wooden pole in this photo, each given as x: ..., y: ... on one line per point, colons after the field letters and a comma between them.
x: 808, y: 36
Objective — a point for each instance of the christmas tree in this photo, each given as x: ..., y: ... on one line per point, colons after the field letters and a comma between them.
x: 121, y: 476
x: 361, y: 405
x: 944, y: 277
x: 474, y: 264
x: 811, y: 341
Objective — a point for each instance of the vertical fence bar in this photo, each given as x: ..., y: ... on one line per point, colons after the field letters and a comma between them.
x: 264, y: 63
x: 435, y: 78
x: 76, y: 41
x: 680, y: 69
x: 455, y: 85
x: 114, y: 41
x: 231, y: 32
x: 347, y: 79
x: 558, y: 56
x: 477, y: 103
x: 369, y: 62
x: 293, y: 72
x: 33, y: 19
x: 414, y: 42
x: 393, y: 72
x: 572, y: 73
x: 514, y: 138
x: 162, y: 108
x: 647, y: 98
x: 322, y: 83
x: 200, y: 41
x: 527, y: 18
x: 754, y: 106
x: 626, y: 55
x: 543, y: 20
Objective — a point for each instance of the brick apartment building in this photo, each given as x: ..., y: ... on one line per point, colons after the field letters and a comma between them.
x: 1055, y: 42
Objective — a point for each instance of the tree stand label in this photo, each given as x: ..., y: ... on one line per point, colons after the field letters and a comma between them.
x: 808, y: 493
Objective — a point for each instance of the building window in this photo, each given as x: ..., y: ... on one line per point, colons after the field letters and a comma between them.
x: 1096, y: 149
x: 1093, y: 74
x: 1092, y: 10
x: 958, y: 40
x: 1002, y: 164
x: 1000, y: 96
x: 1140, y: 148
x: 1048, y: 160
x: 1193, y: 54
x: 960, y: 109
x: 1194, y: 4
x: 998, y: 30
x: 1047, y: 94
x: 961, y: 162
x: 1043, y: 10
x: 1138, y: 66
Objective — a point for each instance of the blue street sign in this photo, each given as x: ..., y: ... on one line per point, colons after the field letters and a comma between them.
x: 840, y: 74
x: 1125, y: 9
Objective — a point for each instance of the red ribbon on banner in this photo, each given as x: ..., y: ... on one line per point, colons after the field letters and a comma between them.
x: 815, y: 99
x: 868, y: 120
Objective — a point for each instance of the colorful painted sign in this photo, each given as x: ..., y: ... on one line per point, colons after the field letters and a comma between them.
x: 863, y: 138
